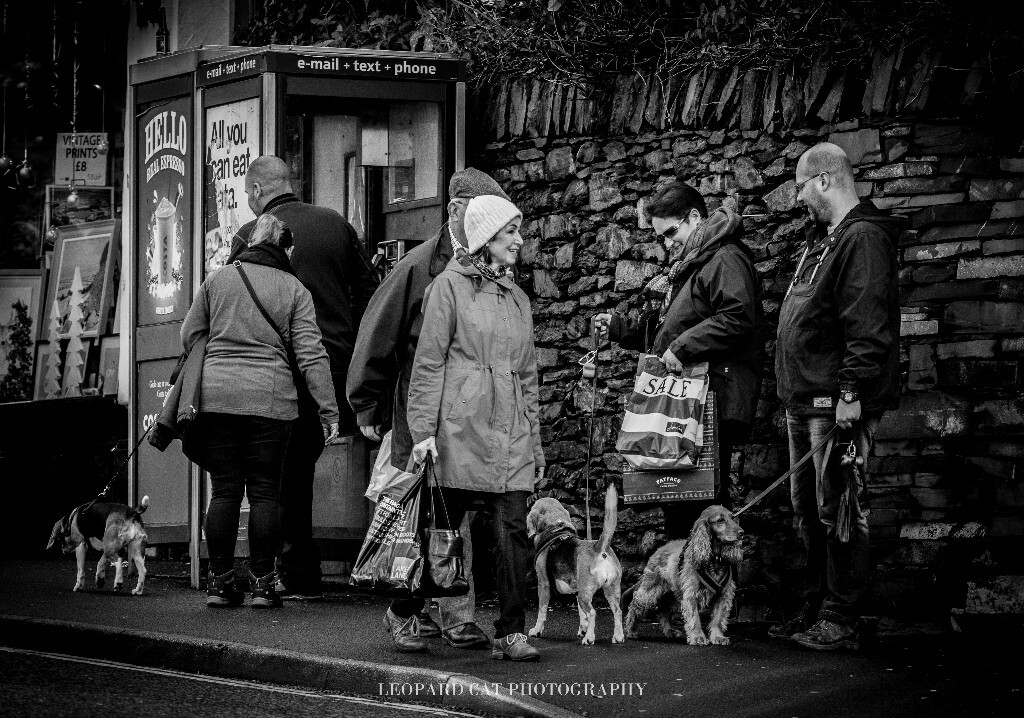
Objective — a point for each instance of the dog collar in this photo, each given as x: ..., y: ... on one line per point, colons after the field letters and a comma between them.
x: 546, y: 539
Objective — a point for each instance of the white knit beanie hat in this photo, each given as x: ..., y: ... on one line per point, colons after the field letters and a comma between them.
x: 485, y: 216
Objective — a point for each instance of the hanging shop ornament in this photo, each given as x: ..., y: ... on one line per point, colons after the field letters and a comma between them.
x: 104, y: 146
x: 6, y: 163
x: 74, y: 97
x: 72, y: 194
x: 26, y: 175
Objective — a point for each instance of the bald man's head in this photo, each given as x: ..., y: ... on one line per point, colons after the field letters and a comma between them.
x: 268, y: 177
x: 825, y: 182
x: 827, y: 157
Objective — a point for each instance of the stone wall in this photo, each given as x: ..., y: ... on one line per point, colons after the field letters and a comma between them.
x: 925, y: 136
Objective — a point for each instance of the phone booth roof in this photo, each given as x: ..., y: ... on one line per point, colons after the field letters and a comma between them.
x: 338, y: 62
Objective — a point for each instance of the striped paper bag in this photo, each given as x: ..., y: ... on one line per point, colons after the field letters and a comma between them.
x: 663, y: 427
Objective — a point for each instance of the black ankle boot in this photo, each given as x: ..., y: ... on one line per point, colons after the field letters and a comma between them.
x: 223, y: 592
x: 264, y: 591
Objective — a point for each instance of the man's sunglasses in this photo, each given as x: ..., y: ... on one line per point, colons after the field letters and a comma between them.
x: 671, y: 231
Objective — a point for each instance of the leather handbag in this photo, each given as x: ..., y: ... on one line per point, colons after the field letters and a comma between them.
x: 445, y: 573
x: 392, y: 560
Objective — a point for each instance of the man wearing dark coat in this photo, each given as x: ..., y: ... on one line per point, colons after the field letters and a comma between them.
x: 378, y: 380
x: 331, y: 264
x: 837, y: 363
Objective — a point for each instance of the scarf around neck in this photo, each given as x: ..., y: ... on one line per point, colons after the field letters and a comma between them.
x: 466, y: 259
x: 267, y: 255
x: 685, y: 259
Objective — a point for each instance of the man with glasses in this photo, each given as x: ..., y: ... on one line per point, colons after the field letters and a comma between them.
x: 837, y: 362
x: 706, y: 306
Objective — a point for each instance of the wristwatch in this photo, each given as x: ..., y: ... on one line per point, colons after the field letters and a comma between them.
x: 849, y: 396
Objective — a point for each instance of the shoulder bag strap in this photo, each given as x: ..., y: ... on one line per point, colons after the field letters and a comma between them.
x: 259, y: 304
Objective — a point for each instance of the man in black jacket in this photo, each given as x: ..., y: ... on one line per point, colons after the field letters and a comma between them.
x: 378, y: 383
x: 330, y: 263
x: 837, y: 362
x: 706, y: 307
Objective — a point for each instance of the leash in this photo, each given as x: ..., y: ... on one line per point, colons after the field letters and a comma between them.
x: 803, y: 459
x: 100, y: 495
x: 589, y: 364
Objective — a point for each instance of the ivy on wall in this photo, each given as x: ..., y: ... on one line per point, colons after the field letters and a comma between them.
x: 587, y: 40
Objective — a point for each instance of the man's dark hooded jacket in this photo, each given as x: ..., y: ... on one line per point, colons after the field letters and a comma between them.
x: 715, y: 316
x: 329, y: 262
x: 395, y: 312
x: 839, y: 327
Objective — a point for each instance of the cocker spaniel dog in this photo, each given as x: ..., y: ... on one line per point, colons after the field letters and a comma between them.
x: 698, y: 572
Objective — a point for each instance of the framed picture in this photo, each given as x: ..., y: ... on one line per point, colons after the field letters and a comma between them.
x: 41, y: 366
x: 92, y: 204
x: 110, y: 353
x: 81, y: 290
x: 21, y: 298
x: 27, y: 286
x: 78, y: 373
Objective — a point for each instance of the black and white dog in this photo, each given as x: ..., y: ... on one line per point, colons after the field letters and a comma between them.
x: 110, y: 528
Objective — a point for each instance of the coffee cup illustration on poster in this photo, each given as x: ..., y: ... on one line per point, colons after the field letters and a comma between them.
x: 231, y: 139
x: 164, y: 210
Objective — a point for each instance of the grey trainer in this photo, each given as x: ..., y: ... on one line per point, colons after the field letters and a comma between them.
x: 513, y: 647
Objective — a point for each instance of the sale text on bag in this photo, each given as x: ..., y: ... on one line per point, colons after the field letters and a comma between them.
x: 676, y: 387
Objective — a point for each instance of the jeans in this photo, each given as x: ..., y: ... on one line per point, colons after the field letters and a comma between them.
x: 839, y: 573
x: 299, y: 564
x: 513, y: 555
x: 679, y: 516
x: 246, y: 457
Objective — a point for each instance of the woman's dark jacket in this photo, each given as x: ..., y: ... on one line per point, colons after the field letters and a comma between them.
x: 715, y: 316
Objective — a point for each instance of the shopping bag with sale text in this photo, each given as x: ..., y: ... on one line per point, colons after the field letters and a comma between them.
x: 663, y: 427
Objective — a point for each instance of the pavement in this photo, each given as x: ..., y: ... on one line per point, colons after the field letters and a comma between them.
x: 339, y: 646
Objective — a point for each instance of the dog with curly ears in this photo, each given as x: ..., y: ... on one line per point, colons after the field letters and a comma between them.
x: 698, y: 573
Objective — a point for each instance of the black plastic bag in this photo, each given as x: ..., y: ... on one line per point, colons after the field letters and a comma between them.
x: 392, y: 562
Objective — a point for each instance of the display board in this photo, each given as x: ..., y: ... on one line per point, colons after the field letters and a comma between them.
x: 164, y: 211
x: 231, y: 136
x: 81, y: 159
x: 164, y: 476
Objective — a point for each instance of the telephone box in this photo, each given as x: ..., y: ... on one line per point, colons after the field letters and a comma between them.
x: 373, y: 135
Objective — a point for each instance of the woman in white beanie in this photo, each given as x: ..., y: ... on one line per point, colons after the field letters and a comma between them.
x: 473, y: 407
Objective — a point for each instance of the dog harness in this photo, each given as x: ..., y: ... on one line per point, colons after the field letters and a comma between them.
x: 716, y: 576
x: 549, y: 537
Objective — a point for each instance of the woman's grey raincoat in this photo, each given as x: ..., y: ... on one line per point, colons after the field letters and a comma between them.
x: 474, y: 383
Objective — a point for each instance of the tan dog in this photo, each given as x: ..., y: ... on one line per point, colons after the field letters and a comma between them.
x: 575, y: 565
x: 697, y: 573
x: 110, y: 528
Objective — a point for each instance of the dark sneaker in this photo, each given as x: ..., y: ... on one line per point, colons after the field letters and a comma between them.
x: 513, y: 647
x: 403, y: 632
x: 468, y: 635
x: 223, y: 591
x: 264, y: 591
x: 798, y: 624
x: 297, y: 594
x: 428, y: 627
x: 828, y: 635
